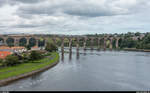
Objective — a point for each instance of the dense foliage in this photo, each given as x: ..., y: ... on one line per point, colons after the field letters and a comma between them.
x: 15, y: 59
x: 35, y: 55
x: 11, y: 60
x: 128, y: 42
x: 51, y: 47
x: 139, y: 44
x: 1, y: 62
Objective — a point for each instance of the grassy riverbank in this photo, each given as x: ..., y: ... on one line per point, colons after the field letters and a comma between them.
x: 134, y: 49
x: 8, y: 72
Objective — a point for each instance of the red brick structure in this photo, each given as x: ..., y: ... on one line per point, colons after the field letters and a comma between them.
x: 4, y: 54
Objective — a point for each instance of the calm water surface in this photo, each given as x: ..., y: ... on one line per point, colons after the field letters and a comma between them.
x: 91, y: 70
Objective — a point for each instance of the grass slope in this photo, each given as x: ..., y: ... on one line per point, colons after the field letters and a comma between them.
x: 27, y: 67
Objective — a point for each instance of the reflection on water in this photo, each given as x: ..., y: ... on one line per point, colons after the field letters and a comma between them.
x: 91, y: 70
x: 77, y: 55
x: 84, y: 52
x: 36, y: 76
x: 62, y: 56
x: 70, y: 55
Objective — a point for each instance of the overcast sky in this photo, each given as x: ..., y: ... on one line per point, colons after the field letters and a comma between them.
x: 74, y: 16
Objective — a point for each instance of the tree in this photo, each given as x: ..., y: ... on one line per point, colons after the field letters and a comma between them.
x: 35, y: 55
x: 139, y: 45
x: 26, y: 57
x: 11, y: 60
x: 128, y: 43
x: 147, y: 39
x: 131, y: 43
x: 147, y: 46
x: 41, y: 42
x: 137, y: 34
x: 51, y: 47
x: 28, y: 47
x: 145, y: 43
x: 1, y: 62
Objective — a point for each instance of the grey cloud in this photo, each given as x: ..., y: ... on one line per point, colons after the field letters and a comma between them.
x: 80, y: 8
x: 2, y: 2
x: 15, y: 2
x: 26, y: 16
x: 89, y: 12
x: 35, y: 10
x: 73, y: 7
x: 74, y: 16
x: 26, y: 26
x: 70, y: 7
x: 28, y: 1
x: 10, y: 2
x: 1, y: 26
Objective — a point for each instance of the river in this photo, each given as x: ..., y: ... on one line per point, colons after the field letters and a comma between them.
x: 91, y: 71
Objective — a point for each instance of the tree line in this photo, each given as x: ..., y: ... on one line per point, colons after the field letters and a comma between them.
x: 127, y: 41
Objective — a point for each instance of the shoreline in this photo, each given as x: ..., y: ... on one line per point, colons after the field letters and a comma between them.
x: 124, y: 49
x: 138, y: 50
x: 25, y: 75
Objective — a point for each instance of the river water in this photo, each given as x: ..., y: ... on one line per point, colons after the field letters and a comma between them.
x: 91, y: 71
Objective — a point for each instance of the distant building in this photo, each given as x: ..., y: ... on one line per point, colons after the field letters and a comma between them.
x: 4, y: 54
x: 35, y: 48
x: 13, y: 49
x: 5, y: 51
x: 142, y: 36
x: 135, y: 38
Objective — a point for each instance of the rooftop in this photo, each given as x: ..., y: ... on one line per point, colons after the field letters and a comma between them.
x: 4, y: 54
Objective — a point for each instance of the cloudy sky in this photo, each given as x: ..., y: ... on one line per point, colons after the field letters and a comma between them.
x: 74, y: 16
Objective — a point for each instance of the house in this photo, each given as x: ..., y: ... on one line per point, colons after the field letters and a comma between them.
x: 13, y: 49
x: 5, y: 51
x: 135, y: 38
x: 35, y: 48
x: 19, y: 49
x: 4, y: 54
x: 142, y: 36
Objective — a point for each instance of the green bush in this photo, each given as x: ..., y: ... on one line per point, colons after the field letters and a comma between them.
x: 25, y: 57
x: 11, y: 60
x: 147, y: 46
x: 128, y: 43
x: 139, y: 45
x: 28, y: 47
x: 51, y: 47
x: 35, y: 55
x: 1, y: 62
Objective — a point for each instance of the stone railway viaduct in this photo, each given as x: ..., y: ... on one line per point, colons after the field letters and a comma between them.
x: 62, y: 37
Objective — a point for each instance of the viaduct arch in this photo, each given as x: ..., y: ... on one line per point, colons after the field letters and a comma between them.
x: 101, y: 41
